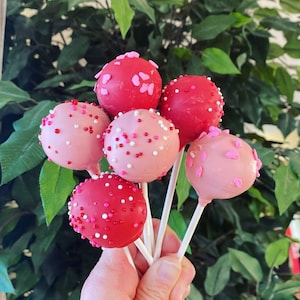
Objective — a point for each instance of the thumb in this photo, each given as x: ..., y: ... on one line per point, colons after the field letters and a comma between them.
x: 159, y: 280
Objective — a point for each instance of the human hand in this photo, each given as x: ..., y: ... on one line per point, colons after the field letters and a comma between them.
x: 114, y: 278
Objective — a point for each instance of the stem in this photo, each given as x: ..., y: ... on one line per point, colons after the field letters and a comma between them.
x: 190, y: 231
x: 2, y: 32
x: 167, y: 205
x: 144, y: 251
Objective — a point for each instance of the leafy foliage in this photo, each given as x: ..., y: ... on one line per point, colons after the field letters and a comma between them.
x: 52, y: 51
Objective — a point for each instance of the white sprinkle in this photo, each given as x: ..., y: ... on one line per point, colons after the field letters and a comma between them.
x: 68, y: 142
x: 76, y: 125
x: 95, y: 121
x: 114, y: 160
x: 97, y: 235
x: 130, y: 198
x: 84, y: 217
x: 120, y: 187
x: 107, y: 184
x: 129, y: 166
x: 98, y: 136
x: 155, y: 153
x: 104, y: 216
x: 132, y: 143
x: 210, y: 109
x: 104, y: 236
x: 176, y: 91
x: 123, y: 201
x: 118, y: 129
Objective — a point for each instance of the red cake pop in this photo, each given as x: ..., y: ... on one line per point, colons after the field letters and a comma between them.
x: 193, y: 103
x: 220, y: 165
x: 128, y: 82
x: 140, y: 145
x: 109, y: 211
x: 71, y: 135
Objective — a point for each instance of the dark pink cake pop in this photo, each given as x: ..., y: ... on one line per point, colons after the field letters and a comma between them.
x: 220, y: 165
x: 71, y: 135
x: 193, y: 103
x: 128, y: 82
x: 140, y: 145
x: 109, y: 211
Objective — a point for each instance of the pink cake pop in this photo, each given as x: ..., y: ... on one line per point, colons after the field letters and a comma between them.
x: 71, y: 135
x: 109, y: 211
x: 220, y: 165
x: 140, y: 145
x: 128, y: 82
x: 193, y: 103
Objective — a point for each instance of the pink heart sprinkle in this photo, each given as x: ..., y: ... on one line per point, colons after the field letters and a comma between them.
x: 135, y: 80
x: 106, y: 78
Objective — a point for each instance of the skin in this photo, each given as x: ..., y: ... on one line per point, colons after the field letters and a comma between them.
x: 113, y: 277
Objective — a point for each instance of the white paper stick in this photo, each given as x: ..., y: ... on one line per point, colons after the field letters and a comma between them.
x: 129, y: 257
x: 144, y: 251
x: 167, y: 205
x: 148, y: 227
x: 190, y: 231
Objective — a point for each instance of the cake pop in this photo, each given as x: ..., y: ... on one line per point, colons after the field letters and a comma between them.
x: 193, y: 103
x: 109, y: 211
x: 218, y: 165
x: 128, y: 82
x: 71, y: 135
x: 140, y: 145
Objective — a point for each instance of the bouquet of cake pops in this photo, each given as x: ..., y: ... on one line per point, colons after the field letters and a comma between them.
x: 142, y: 130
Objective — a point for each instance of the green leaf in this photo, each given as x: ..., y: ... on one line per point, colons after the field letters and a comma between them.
x: 20, y: 153
x: 212, y: 26
x: 295, y: 163
x: 10, y: 92
x: 291, y: 6
x: 246, y: 265
x: 32, y: 118
x: 177, y: 223
x: 123, y: 14
x: 285, y: 290
x: 72, y: 53
x: 286, y: 123
x: 194, y: 294
x: 82, y: 84
x: 17, y: 59
x: 285, y: 83
x: 280, y: 23
x: 292, y: 46
x: 275, y: 51
x: 241, y: 20
x: 56, y: 81
x: 182, y: 185
x: 277, y: 252
x: 144, y: 7
x: 5, y: 283
x: 217, y: 276
x: 218, y: 61
x: 287, y: 188
x: 56, y: 184
x: 72, y: 3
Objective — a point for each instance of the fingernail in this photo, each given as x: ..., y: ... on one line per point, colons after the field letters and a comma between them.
x: 169, y: 271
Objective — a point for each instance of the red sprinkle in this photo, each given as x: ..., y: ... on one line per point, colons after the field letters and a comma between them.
x: 57, y: 130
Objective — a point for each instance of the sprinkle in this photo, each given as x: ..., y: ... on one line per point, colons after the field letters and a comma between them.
x: 238, y: 143
x: 203, y: 155
x: 76, y: 125
x: 144, y: 76
x: 104, y: 92
x: 104, y: 216
x: 135, y: 80
x: 199, y: 172
x: 155, y: 153
x: 238, y: 182
x: 120, y: 187
x: 106, y: 78
x: 104, y: 236
x: 130, y: 198
x: 129, y: 166
x: 68, y: 142
x: 150, y: 89
x: 232, y: 154
x: 144, y: 88
x: 57, y: 130
x: 97, y: 235
x: 132, y: 143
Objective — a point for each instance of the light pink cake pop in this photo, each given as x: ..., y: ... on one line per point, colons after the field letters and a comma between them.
x: 109, y: 211
x: 128, y: 82
x: 220, y: 165
x: 140, y: 145
x: 71, y: 135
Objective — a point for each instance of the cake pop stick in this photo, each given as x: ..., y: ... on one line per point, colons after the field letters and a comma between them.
x: 219, y: 166
x: 148, y: 232
x: 144, y: 251
x: 167, y: 205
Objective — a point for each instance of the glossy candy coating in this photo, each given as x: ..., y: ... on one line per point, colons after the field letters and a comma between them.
x: 71, y: 135
x: 128, y: 82
x: 220, y: 165
x: 140, y: 145
x: 193, y: 103
x: 109, y: 211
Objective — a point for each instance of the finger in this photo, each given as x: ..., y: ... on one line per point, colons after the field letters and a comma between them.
x: 112, y: 278
x: 182, y: 288
x: 160, y: 279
